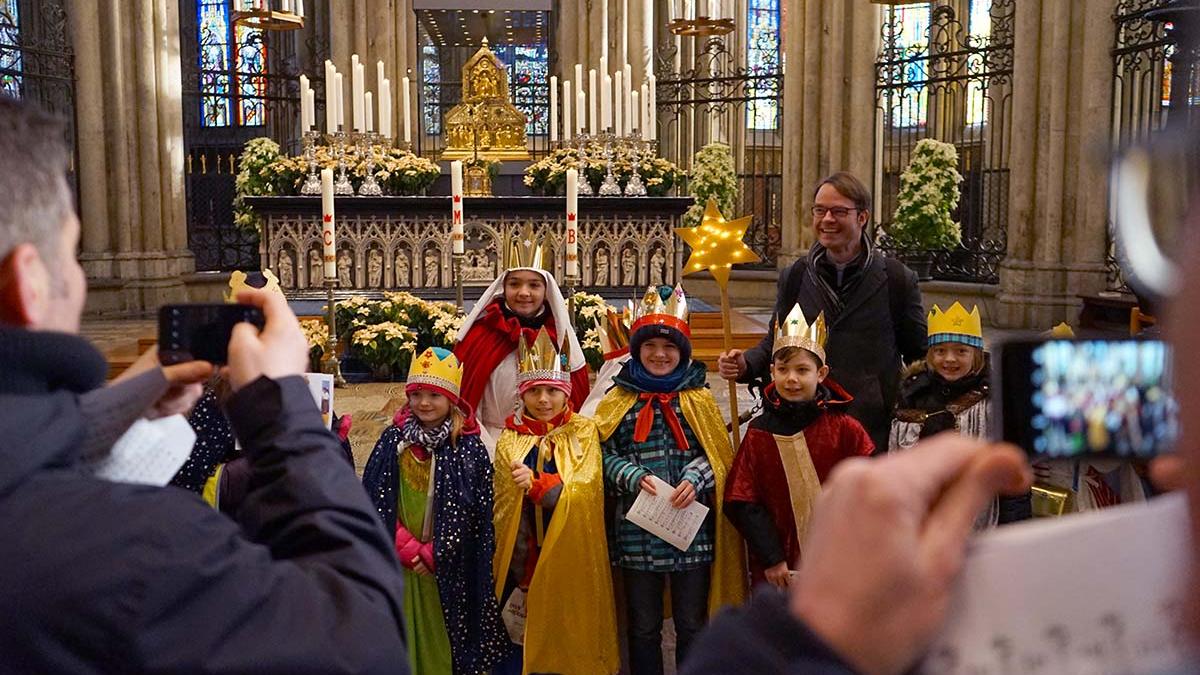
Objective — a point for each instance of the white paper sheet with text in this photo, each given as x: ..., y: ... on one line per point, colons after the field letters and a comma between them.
x: 1095, y: 593
x: 149, y: 453
x: 654, y: 514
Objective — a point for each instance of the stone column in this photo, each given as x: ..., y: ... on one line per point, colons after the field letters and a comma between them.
x: 829, y: 104
x: 1058, y: 196
x: 130, y: 117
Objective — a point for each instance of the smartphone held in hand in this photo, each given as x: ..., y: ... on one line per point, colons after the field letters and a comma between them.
x: 201, y: 331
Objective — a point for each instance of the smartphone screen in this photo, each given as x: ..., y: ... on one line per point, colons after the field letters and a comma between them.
x: 1070, y: 399
x: 200, y: 332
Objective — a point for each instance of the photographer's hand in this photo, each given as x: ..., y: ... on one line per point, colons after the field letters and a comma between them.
x: 278, y: 351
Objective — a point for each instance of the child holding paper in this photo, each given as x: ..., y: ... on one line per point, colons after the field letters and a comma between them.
x: 661, y: 421
x: 552, y: 574
x: 789, y: 449
x: 431, y: 481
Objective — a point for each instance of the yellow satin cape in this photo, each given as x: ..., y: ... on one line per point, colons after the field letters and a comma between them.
x: 570, y: 625
x: 727, y: 586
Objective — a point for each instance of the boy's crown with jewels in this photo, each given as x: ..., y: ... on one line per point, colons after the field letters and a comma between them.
x: 542, y: 360
x: 795, y: 331
x: 672, y: 312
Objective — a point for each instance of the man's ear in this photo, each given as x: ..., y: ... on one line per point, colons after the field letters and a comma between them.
x: 24, y: 287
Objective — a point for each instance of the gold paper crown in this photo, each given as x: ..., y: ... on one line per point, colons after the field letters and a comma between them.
x: 542, y: 360
x: 525, y: 250
x: 437, y: 367
x: 1062, y: 331
x: 237, y: 284
x: 796, y: 331
x: 955, y: 325
x: 653, y: 310
x: 613, y: 331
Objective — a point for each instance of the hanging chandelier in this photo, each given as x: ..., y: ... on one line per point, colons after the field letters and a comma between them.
x: 704, y: 25
x: 260, y: 14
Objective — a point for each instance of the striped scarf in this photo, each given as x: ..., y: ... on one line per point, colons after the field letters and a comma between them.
x: 818, y: 253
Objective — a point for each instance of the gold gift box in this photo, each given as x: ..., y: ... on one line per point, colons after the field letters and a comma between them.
x: 1050, y: 501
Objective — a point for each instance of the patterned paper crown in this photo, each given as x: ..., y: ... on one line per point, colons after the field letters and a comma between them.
x: 796, y: 331
x: 237, y: 284
x: 437, y: 367
x: 542, y: 361
x: 613, y: 331
x: 652, y: 310
x: 955, y: 325
x: 525, y: 250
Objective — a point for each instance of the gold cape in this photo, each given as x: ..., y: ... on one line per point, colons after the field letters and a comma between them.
x: 728, y: 581
x: 571, y: 624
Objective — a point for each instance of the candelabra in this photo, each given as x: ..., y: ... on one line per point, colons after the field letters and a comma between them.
x: 610, y: 187
x: 585, y: 186
x: 329, y: 362
x: 341, y: 185
x: 370, y: 186
x: 634, y: 187
x: 312, y: 183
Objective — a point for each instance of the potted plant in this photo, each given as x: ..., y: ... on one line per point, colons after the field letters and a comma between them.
x: 713, y: 177
x: 928, y: 196
x: 387, y: 348
x: 590, y: 310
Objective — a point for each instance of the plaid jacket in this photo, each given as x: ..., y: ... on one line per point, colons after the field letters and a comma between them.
x: 625, y: 464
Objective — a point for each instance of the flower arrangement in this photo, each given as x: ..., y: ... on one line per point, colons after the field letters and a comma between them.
x: 713, y: 176
x: 387, y: 347
x: 426, y: 324
x: 317, y: 334
x: 264, y: 170
x: 549, y: 175
x: 928, y: 194
x: 590, y: 310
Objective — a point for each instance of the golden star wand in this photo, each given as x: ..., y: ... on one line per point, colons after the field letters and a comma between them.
x: 717, y: 246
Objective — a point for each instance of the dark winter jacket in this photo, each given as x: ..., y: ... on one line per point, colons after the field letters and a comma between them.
x: 103, y: 577
x: 874, y: 328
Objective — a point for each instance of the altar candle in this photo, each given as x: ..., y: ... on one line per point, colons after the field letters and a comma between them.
x: 627, y: 103
x: 304, y: 110
x: 330, y: 97
x: 368, y: 113
x: 644, y: 111
x: 406, y: 104
x: 456, y: 205
x: 618, y: 121
x: 379, y: 75
x: 300, y: 8
x: 311, y: 96
x: 653, y: 112
x: 553, y: 108
x: 340, y: 100
x: 328, y: 242
x: 580, y: 104
x: 572, y: 223
x: 634, y: 117
x: 360, y: 104
x: 568, y: 121
x: 593, y: 97
x: 606, y: 121
x: 287, y: 5
x: 385, y: 108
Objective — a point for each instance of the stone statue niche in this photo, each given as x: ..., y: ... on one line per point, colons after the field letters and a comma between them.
x: 629, y: 265
x: 478, y: 267
x: 432, y: 262
x: 600, y: 267
x: 316, y: 268
x: 345, y: 268
x: 286, y: 268
x: 374, y: 268
x: 658, y: 266
x: 401, y: 271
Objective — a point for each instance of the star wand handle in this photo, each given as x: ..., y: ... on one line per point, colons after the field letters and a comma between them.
x: 726, y: 319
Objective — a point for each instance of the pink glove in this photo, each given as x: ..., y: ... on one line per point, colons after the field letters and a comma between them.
x: 406, y: 545
x: 426, y: 554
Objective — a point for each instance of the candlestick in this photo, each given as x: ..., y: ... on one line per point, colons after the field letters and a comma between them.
x: 328, y: 228
x: 457, y: 238
x: 593, y: 97
x: 553, y: 109
x: 406, y: 103
x: 330, y: 98
x: 572, y: 224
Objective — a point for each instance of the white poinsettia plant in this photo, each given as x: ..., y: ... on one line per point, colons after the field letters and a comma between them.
x: 929, y: 193
x: 590, y: 310
x: 713, y: 176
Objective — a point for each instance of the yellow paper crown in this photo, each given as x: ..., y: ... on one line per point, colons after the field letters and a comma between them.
x: 796, y: 331
x: 526, y: 250
x: 542, y: 360
x: 1062, y: 331
x: 653, y: 309
x: 237, y: 284
x: 956, y: 325
x: 437, y: 367
x: 613, y: 331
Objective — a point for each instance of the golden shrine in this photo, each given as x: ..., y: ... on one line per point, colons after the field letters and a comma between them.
x: 485, y: 124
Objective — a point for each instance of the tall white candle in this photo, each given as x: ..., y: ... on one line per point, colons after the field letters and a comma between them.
x: 341, y: 103
x: 567, y: 120
x: 311, y: 97
x: 653, y: 91
x: 385, y: 108
x: 578, y: 80
x: 644, y: 112
x: 328, y: 240
x: 572, y: 223
x: 618, y: 120
x: 330, y: 98
x: 626, y: 104
x: 406, y: 103
x: 593, y: 97
x: 368, y: 112
x: 580, y: 104
x: 553, y: 108
x: 456, y: 206
x: 604, y: 37
x: 304, y: 111
x: 379, y: 75
x: 606, y: 104
x: 287, y: 5
x: 625, y: 33
x: 300, y: 8
x: 634, y: 117
x: 360, y: 101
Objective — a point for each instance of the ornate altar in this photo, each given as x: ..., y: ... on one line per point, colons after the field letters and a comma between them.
x: 485, y: 124
x: 403, y: 243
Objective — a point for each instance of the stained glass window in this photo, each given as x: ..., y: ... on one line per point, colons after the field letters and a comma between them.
x: 762, y: 60
x: 979, y: 25
x: 528, y: 80
x: 233, y: 63
x: 431, y: 79
x: 11, y: 65
x: 907, y: 39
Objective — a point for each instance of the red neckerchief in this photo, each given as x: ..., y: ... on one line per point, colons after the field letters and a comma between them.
x: 527, y: 426
x: 491, y: 338
x: 645, y: 418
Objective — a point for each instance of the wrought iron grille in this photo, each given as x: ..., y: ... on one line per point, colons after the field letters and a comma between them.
x: 212, y: 151
x: 952, y: 81
x: 717, y: 99
x: 37, y: 62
